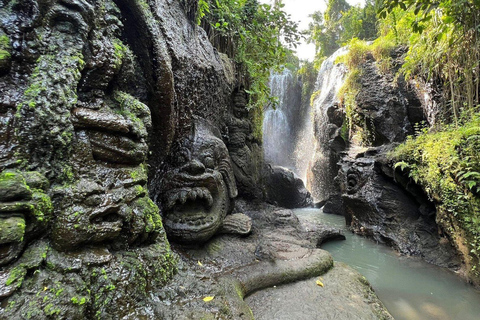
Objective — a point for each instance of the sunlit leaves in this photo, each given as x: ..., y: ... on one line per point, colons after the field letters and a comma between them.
x: 256, y: 36
x: 339, y: 24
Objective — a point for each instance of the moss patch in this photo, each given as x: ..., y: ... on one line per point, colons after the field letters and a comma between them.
x: 446, y: 164
x: 358, y: 52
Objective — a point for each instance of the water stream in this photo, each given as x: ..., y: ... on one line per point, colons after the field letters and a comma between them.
x: 288, y: 128
x: 411, y: 289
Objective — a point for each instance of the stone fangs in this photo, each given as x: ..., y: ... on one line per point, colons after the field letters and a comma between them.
x: 180, y: 196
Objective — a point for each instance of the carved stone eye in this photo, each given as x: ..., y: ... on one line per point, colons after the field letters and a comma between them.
x: 183, y: 156
x: 362, y: 164
x: 181, y: 159
x: 93, y: 200
x: 209, y: 162
x: 67, y: 20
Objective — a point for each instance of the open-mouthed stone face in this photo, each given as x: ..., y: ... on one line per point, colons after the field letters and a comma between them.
x: 198, y: 190
x: 357, y: 174
x: 118, y: 213
x: 24, y: 211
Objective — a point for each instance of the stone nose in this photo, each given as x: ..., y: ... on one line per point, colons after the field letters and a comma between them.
x: 195, y: 167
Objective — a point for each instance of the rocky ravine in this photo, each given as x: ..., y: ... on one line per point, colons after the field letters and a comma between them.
x: 121, y: 125
x: 376, y: 200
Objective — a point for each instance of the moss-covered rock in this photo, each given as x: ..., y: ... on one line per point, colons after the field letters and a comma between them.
x: 446, y: 164
x: 5, y: 53
x: 13, y: 187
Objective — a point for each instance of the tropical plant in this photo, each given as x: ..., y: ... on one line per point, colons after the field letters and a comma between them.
x: 256, y: 36
x: 445, y: 47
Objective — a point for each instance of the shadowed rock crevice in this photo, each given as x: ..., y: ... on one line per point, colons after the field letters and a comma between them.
x: 360, y: 183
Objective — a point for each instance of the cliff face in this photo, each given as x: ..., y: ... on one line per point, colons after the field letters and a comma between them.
x: 351, y: 167
x: 99, y: 100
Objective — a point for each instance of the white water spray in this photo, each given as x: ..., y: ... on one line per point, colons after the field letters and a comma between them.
x: 288, y: 129
x: 329, y: 81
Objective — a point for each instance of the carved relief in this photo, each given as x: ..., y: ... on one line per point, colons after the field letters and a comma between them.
x: 199, y: 186
x: 74, y: 128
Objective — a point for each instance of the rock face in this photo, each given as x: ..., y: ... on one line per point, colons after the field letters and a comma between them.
x: 361, y: 185
x: 81, y: 97
x: 378, y: 207
x: 386, y: 109
x: 285, y: 189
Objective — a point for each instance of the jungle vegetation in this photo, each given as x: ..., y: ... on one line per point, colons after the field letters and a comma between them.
x: 258, y: 37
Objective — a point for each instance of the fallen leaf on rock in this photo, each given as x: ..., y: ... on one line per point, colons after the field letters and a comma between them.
x: 319, y: 283
x: 200, y: 264
x: 209, y: 298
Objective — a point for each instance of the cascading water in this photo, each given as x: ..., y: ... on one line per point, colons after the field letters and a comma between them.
x: 276, y: 131
x: 330, y: 79
x: 287, y: 129
x: 276, y: 127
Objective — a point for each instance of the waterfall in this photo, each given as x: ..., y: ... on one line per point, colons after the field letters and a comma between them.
x: 330, y: 79
x: 287, y: 129
x: 276, y: 133
x: 277, y: 136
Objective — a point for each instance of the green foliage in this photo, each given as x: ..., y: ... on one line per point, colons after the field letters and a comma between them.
x: 447, y: 165
x: 203, y: 9
x: 4, y: 47
x: 339, y: 24
x: 444, y: 47
x: 253, y: 35
x: 358, y: 50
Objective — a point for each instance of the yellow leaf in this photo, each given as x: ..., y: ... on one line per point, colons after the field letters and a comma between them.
x: 319, y: 283
x: 209, y: 298
x: 45, y: 288
x: 200, y: 264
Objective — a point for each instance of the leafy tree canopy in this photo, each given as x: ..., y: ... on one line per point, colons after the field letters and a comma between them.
x: 339, y: 23
x: 257, y: 36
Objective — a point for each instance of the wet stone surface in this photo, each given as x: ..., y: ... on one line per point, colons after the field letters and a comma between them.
x: 280, y: 250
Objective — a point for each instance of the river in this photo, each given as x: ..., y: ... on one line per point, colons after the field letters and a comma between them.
x: 410, y: 288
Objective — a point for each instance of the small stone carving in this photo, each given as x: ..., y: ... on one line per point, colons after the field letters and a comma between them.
x: 240, y: 139
x: 357, y: 174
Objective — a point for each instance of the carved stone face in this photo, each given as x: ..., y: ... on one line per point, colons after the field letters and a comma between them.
x: 108, y: 202
x: 97, y: 213
x: 24, y: 211
x: 239, y: 105
x: 356, y: 174
x: 72, y: 110
x: 199, y: 189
